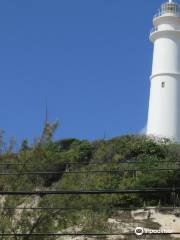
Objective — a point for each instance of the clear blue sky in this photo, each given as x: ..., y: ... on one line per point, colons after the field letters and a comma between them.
x: 90, y: 58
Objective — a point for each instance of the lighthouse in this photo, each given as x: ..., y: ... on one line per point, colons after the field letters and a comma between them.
x: 164, y: 102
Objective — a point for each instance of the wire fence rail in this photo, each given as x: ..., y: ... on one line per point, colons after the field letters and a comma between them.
x: 93, y: 192
x: 155, y: 233
x: 93, y: 163
x: 82, y: 234
x: 90, y: 171
x: 90, y: 208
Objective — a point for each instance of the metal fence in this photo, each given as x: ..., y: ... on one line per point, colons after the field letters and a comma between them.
x: 173, y: 190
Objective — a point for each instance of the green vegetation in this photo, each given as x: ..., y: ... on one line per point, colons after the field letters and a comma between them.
x: 47, y: 155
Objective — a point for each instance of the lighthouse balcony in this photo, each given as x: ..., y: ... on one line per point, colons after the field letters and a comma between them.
x: 164, y: 29
x: 167, y: 13
x: 159, y: 32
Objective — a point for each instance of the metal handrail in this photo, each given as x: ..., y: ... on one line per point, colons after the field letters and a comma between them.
x: 160, y: 13
x: 154, y: 29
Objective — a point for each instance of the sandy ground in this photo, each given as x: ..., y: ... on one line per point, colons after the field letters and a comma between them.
x: 167, y: 221
x: 124, y: 222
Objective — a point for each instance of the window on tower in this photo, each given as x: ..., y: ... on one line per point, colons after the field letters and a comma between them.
x: 163, y: 84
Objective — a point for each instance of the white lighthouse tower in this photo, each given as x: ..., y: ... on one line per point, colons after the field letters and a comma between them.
x: 164, y: 104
